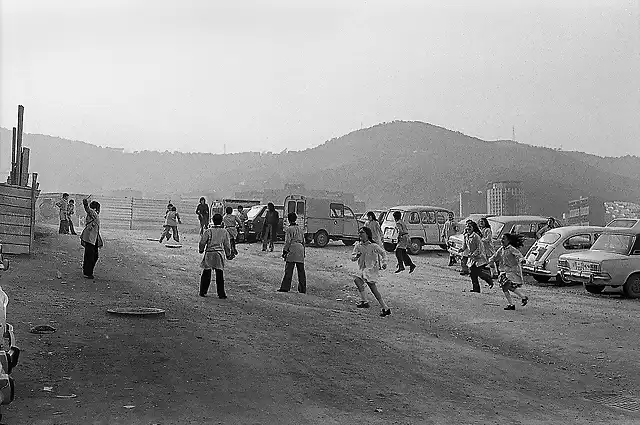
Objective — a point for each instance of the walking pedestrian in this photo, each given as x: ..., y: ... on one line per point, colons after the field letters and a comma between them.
x: 71, y: 211
x: 270, y: 227
x: 464, y: 252
x: 171, y: 222
x: 215, y: 244
x: 202, y: 211
x: 487, y: 243
x: 477, y: 259
x: 90, y: 237
x: 510, y: 260
x: 293, y: 254
x: 371, y: 258
x: 551, y: 224
x: 63, y: 205
x: 231, y: 223
x: 403, y: 243
x: 373, y: 225
x: 450, y: 228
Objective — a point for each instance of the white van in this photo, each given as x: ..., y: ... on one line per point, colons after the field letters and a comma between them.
x: 322, y: 220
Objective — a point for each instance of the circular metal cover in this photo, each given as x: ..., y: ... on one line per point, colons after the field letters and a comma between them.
x: 137, y: 311
x: 172, y: 245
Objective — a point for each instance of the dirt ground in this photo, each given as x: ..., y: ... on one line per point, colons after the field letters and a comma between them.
x: 444, y: 356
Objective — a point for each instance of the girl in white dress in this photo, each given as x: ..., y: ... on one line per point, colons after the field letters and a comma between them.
x: 510, y: 260
x: 371, y: 258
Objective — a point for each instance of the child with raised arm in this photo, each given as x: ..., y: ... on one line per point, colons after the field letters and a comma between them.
x: 510, y: 260
x: 369, y: 256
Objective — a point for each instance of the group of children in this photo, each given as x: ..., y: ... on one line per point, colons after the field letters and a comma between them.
x: 217, y: 243
x: 67, y: 209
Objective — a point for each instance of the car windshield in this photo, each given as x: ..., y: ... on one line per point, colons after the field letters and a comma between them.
x: 390, y: 215
x: 254, y: 211
x: 611, y: 242
x: 549, y: 237
x: 496, y: 227
x: 622, y: 222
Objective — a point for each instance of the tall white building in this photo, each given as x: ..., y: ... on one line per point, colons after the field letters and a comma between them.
x: 505, y: 198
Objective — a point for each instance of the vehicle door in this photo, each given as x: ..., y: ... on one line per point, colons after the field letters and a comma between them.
x: 351, y: 224
x: 258, y: 222
x: 336, y: 214
x: 425, y: 231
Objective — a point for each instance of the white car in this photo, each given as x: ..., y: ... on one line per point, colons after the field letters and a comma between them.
x: 542, y: 258
x: 613, y: 261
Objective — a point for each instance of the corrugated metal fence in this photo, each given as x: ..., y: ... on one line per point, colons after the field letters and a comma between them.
x: 123, y: 212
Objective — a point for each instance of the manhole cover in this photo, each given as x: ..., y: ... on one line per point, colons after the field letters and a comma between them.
x: 153, y: 239
x: 42, y: 329
x: 137, y: 311
x: 617, y: 401
x: 173, y: 245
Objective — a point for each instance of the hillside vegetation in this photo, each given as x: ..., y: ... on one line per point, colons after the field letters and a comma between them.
x: 391, y: 163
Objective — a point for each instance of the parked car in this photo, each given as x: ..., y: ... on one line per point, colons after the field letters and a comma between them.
x: 424, y: 223
x: 9, y: 352
x: 542, y: 257
x: 323, y: 219
x: 380, y: 216
x: 623, y: 222
x: 219, y: 206
x: 524, y: 225
x: 613, y: 261
x: 255, y: 222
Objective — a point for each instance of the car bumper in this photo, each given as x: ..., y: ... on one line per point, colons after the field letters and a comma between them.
x: 536, y: 270
x: 586, y: 277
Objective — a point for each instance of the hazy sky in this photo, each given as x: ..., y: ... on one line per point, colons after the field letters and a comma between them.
x: 193, y: 75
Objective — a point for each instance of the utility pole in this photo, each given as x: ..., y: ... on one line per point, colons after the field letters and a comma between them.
x: 513, y: 133
x: 224, y: 148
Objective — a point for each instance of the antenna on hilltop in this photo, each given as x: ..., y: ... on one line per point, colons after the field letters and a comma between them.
x: 224, y: 148
x: 513, y: 133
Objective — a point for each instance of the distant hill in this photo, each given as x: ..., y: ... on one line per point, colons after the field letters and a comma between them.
x: 387, y: 164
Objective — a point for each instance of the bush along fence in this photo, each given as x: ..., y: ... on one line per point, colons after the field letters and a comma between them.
x: 121, y: 212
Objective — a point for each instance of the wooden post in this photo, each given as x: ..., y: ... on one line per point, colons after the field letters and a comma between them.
x: 34, y: 189
x: 131, y: 218
x: 19, y: 144
x: 13, y: 157
x: 24, y: 167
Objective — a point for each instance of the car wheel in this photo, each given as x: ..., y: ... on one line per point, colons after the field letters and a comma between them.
x: 560, y: 280
x: 389, y: 247
x: 348, y: 242
x: 632, y: 286
x: 444, y: 246
x: 321, y: 238
x: 415, y: 246
x: 541, y: 279
x: 594, y: 289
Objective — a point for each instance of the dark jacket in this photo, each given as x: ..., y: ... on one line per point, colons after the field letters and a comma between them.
x: 203, y: 210
x: 272, y: 217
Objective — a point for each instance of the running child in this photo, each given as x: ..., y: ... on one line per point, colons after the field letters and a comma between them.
x: 171, y: 222
x: 510, y: 260
x: 369, y: 256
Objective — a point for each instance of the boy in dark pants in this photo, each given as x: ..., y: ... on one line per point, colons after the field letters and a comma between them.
x: 216, y: 246
x: 403, y: 243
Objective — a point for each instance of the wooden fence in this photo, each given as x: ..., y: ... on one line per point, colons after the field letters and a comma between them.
x: 123, y: 212
x: 17, y: 217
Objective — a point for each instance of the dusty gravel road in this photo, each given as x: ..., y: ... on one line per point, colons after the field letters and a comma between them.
x: 445, y: 356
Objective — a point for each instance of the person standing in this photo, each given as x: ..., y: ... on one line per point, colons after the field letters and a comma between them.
x: 487, y: 243
x: 270, y: 227
x: 373, y: 225
x: 242, y: 215
x: 90, y: 237
x: 215, y: 244
x: 403, y: 243
x: 511, y: 259
x: 450, y: 229
x: 464, y: 252
x: 231, y: 223
x: 371, y: 258
x: 63, y: 205
x: 171, y: 225
x: 293, y: 254
x: 202, y: 211
x: 551, y: 224
x: 477, y: 259
x: 71, y: 210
